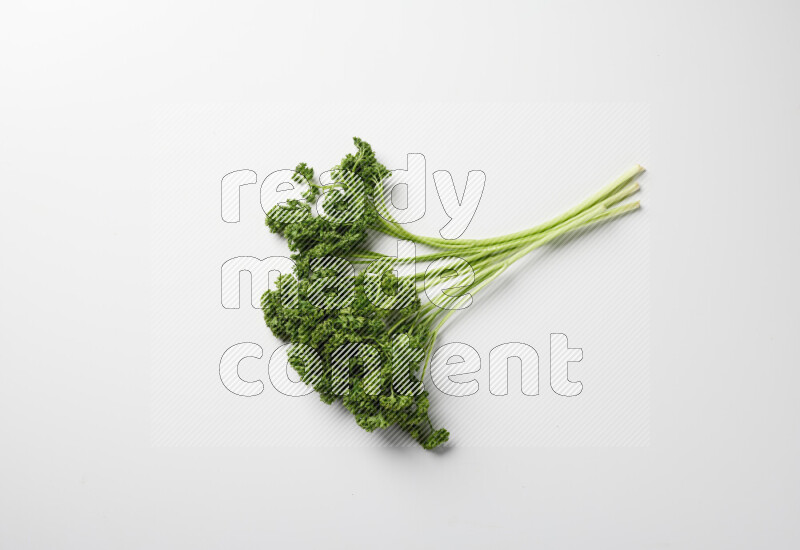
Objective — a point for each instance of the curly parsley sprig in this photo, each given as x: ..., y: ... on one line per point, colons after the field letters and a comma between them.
x: 382, y: 385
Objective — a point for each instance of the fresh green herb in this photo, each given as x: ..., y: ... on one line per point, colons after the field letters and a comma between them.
x: 384, y: 383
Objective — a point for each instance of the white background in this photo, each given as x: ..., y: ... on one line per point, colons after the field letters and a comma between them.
x: 79, y: 83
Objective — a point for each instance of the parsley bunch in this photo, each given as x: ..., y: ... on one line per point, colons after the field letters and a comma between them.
x: 364, y: 336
